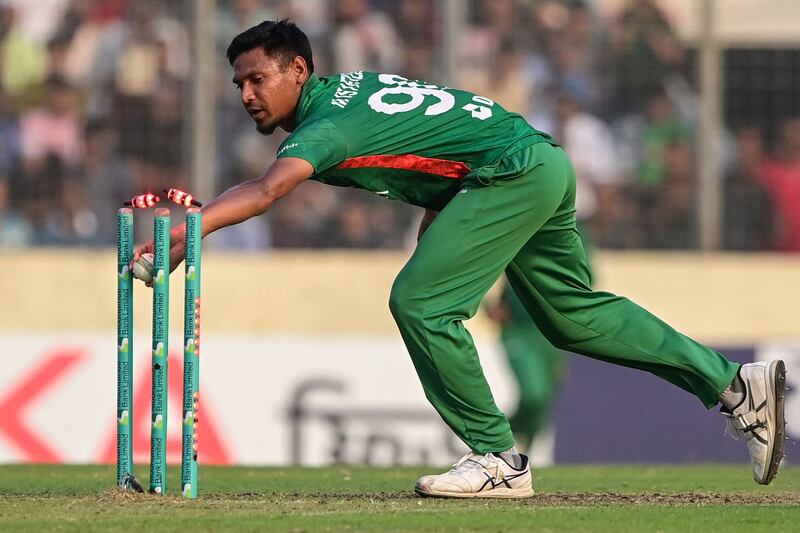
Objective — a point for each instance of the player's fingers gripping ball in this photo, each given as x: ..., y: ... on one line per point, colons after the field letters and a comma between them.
x: 143, y: 268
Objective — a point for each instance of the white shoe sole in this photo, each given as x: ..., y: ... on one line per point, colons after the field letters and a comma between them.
x: 776, y: 393
x: 522, y: 492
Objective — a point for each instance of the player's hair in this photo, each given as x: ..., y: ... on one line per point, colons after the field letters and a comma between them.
x: 279, y: 38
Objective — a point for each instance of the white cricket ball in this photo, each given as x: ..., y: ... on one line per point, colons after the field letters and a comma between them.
x: 143, y: 268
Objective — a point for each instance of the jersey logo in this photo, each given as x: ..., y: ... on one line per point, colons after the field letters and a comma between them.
x: 284, y: 148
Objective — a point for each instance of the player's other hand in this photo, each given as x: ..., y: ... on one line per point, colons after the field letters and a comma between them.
x: 499, y: 312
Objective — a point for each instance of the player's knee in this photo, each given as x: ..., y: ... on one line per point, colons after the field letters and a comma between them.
x: 404, y: 300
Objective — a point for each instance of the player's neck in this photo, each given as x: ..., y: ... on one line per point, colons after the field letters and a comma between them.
x: 290, y: 123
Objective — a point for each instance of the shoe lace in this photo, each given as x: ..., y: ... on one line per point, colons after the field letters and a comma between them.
x: 730, y: 429
x: 471, y: 461
x: 748, y: 421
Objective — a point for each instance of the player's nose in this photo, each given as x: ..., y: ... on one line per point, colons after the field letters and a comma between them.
x: 247, y: 95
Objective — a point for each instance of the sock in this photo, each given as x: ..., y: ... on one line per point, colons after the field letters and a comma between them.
x: 734, y: 395
x: 512, y: 457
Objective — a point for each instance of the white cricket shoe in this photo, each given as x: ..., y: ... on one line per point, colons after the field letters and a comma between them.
x: 479, y: 476
x: 759, y: 418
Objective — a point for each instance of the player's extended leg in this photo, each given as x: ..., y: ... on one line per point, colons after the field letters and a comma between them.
x: 550, y: 277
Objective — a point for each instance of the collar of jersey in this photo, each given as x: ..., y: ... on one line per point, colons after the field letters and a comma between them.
x: 305, y: 96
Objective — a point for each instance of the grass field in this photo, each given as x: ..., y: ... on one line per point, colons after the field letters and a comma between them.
x: 569, y: 498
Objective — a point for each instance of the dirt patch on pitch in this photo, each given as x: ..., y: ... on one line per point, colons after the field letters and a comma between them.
x: 556, y: 499
x: 559, y: 499
x: 665, y: 499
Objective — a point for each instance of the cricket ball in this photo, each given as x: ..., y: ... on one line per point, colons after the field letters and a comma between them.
x: 143, y: 268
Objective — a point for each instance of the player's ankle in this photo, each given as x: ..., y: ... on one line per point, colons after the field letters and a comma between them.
x: 512, y: 457
x: 733, y: 396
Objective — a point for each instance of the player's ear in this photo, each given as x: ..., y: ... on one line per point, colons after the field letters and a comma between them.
x: 299, y: 69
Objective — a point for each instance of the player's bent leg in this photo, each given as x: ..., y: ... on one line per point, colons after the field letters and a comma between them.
x: 759, y: 417
x: 448, y: 367
x: 479, y: 476
x: 457, y: 260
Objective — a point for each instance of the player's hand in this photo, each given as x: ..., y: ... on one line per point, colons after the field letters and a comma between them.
x: 427, y: 220
x: 176, y: 254
x: 146, y: 248
x: 499, y: 312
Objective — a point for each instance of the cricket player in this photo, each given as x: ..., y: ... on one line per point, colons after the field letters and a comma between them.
x: 498, y: 196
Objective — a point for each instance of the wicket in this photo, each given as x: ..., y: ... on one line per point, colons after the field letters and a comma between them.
x: 160, y: 344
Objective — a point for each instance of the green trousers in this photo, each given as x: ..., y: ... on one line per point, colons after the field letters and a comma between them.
x: 519, y: 216
x: 537, y: 365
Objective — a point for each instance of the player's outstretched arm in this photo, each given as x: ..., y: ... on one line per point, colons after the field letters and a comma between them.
x: 255, y: 197
x: 239, y: 203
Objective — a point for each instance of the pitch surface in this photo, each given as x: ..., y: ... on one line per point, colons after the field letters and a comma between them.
x: 569, y: 498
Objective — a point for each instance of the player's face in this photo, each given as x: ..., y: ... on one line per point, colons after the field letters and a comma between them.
x: 269, y: 87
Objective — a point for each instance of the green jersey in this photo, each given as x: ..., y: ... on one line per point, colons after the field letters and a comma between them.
x: 402, y: 139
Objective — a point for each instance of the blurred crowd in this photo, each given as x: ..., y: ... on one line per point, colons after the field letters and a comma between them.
x: 95, y: 107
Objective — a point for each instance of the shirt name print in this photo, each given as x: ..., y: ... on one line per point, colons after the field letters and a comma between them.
x: 349, y: 84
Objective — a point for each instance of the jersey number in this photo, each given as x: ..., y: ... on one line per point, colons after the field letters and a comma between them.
x: 417, y: 92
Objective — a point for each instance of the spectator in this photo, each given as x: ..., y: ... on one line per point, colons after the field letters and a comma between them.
x: 747, y: 206
x: 494, y: 25
x: 505, y: 82
x: 38, y: 20
x: 54, y: 129
x: 42, y: 185
x: 105, y: 176
x: 309, y: 221
x: 416, y: 20
x: 417, y: 23
x: 663, y: 127
x: 672, y: 223
x: 152, y: 47
x: 781, y: 175
x: 72, y: 222
x: 655, y: 150
x: 646, y: 54
x: 364, y: 39
x: 79, y: 40
x: 354, y: 228
x: 23, y: 60
x: 589, y: 143
x: 9, y: 135
x: 122, y: 66
x: 237, y: 15
x: 580, y: 59
x: 15, y: 230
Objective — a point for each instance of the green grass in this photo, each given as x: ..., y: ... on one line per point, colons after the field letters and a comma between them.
x: 569, y: 498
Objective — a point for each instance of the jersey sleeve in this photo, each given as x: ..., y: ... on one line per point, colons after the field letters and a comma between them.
x: 319, y: 142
